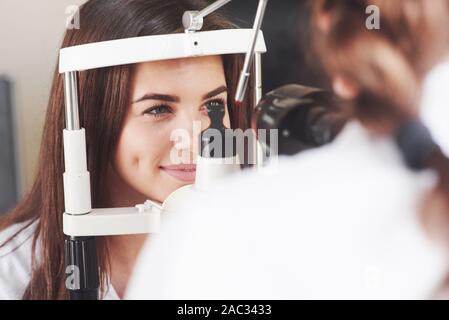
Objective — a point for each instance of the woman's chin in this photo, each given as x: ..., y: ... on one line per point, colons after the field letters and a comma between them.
x: 160, y: 197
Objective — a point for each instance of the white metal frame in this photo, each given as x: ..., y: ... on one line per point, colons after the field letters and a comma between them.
x: 156, y: 48
x: 79, y: 217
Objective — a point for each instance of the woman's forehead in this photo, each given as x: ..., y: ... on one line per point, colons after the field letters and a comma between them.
x: 198, y: 74
x: 195, y: 65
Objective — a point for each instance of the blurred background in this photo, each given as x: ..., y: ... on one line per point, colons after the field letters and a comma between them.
x: 30, y: 36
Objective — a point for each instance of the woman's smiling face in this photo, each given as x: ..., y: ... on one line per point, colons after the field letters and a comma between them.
x: 166, y: 96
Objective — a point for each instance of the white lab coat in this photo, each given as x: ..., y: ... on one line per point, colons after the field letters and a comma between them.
x: 15, y: 262
x: 339, y: 222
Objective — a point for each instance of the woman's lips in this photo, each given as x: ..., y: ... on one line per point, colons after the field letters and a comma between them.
x: 183, y: 172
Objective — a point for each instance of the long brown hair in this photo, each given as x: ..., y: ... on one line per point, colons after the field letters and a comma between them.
x: 387, y: 65
x: 104, y: 98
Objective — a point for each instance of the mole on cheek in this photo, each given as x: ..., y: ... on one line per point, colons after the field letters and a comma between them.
x: 135, y: 162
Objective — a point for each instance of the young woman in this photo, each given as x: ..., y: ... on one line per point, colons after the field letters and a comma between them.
x: 129, y: 113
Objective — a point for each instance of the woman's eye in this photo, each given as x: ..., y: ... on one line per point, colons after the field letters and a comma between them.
x: 217, y: 103
x: 158, y: 111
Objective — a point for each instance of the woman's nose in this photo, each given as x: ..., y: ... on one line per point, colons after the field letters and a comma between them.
x: 188, y: 128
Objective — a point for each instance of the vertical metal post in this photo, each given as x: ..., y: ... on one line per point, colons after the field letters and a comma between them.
x: 257, y: 83
x: 257, y: 77
x: 72, y: 119
x: 250, y: 55
x: 80, y: 252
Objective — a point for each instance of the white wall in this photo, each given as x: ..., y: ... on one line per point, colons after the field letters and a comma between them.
x: 30, y: 35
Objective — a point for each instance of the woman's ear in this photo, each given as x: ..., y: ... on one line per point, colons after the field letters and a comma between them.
x: 323, y: 22
x: 344, y: 88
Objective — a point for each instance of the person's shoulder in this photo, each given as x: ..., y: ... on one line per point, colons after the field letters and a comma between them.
x: 15, y: 259
x: 356, y: 147
x: 355, y: 153
x: 434, y: 111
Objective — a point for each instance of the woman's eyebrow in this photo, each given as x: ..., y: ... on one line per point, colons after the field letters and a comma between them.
x: 176, y: 99
x: 160, y: 97
x: 215, y: 92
